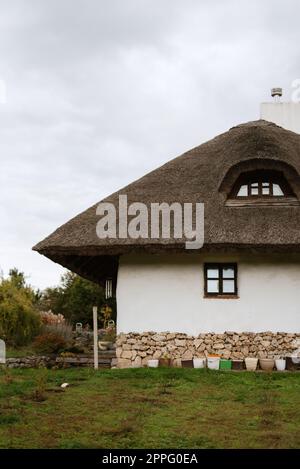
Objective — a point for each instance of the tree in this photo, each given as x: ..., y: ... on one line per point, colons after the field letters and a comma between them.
x: 75, y: 298
x: 19, y: 320
x: 17, y: 278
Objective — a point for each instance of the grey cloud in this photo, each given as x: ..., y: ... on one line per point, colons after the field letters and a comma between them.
x: 100, y: 92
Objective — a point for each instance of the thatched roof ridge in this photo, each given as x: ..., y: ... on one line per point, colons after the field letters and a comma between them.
x: 203, y: 174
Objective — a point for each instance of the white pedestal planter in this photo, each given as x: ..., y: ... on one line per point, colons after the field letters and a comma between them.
x: 199, y: 362
x: 251, y: 363
x: 213, y: 363
x: 280, y: 364
x: 152, y: 363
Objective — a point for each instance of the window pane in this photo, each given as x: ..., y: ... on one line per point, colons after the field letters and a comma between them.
x: 254, y: 188
x: 212, y: 286
x: 266, y: 188
x: 243, y: 191
x: 277, y: 191
x: 228, y: 272
x: 212, y: 273
x: 228, y: 286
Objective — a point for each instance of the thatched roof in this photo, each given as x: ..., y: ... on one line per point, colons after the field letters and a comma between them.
x: 204, y: 174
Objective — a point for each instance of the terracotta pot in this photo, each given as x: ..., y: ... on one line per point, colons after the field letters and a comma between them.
x: 267, y: 364
x: 187, y: 363
x: 165, y: 362
x: 251, y: 363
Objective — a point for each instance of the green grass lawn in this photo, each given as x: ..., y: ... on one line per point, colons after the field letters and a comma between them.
x: 149, y: 408
x: 20, y: 352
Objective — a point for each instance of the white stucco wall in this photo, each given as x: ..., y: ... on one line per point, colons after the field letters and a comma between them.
x: 286, y: 115
x: 165, y: 293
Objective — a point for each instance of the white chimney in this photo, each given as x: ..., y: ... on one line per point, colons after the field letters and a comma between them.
x: 285, y: 114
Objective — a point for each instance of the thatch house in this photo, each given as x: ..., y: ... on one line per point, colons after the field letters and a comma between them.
x: 246, y: 277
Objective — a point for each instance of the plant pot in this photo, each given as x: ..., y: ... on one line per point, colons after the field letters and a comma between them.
x: 266, y: 364
x: 199, y: 362
x: 187, y: 363
x: 165, y: 362
x: 291, y: 363
x: 238, y: 365
x: 153, y: 363
x: 225, y: 364
x: 104, y: 345
x: 251, y: 363
x: 296, y: 361
x: 213, y: 363
x: 280, y: 364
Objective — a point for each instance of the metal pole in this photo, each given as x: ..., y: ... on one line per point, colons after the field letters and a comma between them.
x: 95, y: 328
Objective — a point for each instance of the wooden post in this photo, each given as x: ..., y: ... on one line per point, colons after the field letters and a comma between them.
x: 95, y: 328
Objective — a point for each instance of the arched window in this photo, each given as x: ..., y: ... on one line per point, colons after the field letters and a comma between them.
x: 261, y: 185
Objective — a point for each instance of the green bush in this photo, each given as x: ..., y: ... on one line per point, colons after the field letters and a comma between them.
x: 19, y: 322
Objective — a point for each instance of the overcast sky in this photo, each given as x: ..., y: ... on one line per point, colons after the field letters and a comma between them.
x: 99, y: 92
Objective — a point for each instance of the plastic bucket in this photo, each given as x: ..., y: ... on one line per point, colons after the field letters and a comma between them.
x: 152, y: 363
x: 280, y: 364
x: 199, y: 362
x: 225, y: 364
x: 213, y: 363
x: 238, y: 364
x: 187, y: 363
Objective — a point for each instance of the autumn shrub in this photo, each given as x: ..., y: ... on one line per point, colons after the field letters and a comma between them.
x: 53, y: 338
x: 49, y: 342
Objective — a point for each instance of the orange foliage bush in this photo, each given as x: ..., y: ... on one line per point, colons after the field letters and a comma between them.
x: 49, y: 342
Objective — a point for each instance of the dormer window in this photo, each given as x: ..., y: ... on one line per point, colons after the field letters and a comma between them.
x: 262, y: 187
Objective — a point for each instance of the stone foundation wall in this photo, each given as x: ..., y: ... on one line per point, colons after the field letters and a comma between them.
x: 30, y: 362
x: 135, y: 349
x: 105, y: 360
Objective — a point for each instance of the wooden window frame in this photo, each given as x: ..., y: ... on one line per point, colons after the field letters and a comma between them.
x: 260, y: 177
x: 260, y: 183
x: 220, y: 266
